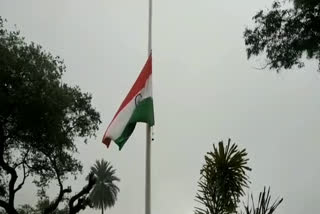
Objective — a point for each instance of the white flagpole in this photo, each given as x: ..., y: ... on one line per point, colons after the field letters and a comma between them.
x: 148, y: 180
x: 148, y: 129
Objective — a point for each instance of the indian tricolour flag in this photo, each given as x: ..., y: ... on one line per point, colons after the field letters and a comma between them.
x: 136, y: 107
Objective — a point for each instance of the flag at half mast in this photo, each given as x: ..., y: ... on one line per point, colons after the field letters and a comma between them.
x: 136, y: 107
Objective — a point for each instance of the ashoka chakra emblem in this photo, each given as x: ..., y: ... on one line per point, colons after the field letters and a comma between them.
x: 138, y: 99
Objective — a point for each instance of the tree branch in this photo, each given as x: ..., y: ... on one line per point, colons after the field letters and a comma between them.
x: 23, y: 160
x: 10, y: 170
x: 4, y: 204
x: 82, y: 200
x: 62, y: 191
x: 25, y: 175
x: 263, y: 67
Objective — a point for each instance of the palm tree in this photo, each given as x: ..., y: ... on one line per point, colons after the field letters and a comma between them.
x: 104, y: 194
x: 223, y: 179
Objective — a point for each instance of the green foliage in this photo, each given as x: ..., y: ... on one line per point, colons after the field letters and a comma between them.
x: 285, y: 34
x: 42, y: 205
x: 40, y: 118
x: 223, y: 179
x: 26, y: 209
x: 305, y: 3
x: 104, y: 193
x: 40, y: 208
x: 263, y: 205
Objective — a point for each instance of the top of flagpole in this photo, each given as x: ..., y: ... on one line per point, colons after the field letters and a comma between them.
x: 150, y: 29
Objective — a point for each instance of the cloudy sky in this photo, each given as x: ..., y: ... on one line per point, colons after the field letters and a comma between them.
x: 205, y: 90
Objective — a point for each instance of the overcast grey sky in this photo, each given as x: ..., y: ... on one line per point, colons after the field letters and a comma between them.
x: 205, y: 91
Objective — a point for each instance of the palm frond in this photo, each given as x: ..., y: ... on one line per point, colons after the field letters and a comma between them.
x: 263, y: 206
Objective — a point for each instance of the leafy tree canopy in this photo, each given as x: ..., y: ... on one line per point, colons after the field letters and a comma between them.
x: 286, y: 34
x: 40, y: 117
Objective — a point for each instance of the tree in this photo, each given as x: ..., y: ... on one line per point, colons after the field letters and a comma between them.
x: 80, y: 200
x: 223, y: 179
x: 104, y: 193
x: 40, y: 118
x: 76, y: 203
x: 285, y: 34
